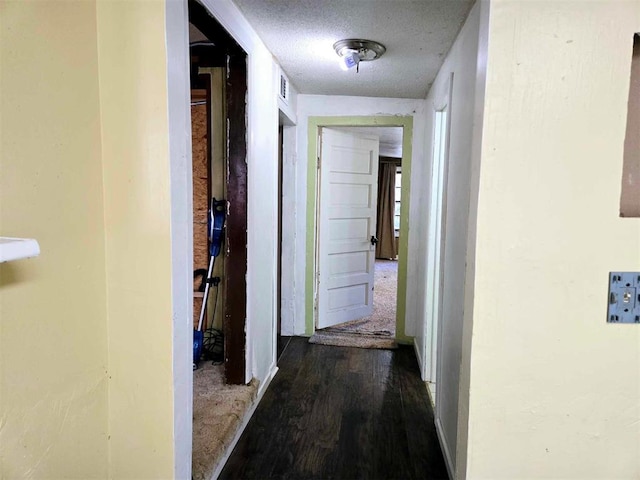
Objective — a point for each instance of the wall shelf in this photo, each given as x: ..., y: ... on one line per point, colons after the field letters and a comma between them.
x: 18, y: 248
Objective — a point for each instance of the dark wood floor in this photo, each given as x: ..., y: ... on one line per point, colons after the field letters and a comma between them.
x: 341, y: 413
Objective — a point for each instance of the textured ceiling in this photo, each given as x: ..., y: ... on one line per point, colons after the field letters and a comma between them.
x: 300, y: 34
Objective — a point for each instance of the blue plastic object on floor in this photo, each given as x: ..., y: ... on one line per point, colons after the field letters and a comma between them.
x: 216, y: 221
x: 198, y: 338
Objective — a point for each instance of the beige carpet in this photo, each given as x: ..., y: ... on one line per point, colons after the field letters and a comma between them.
x: 218, y: 412
x: 383, y: 320
x: 359, y: 340
x: 377, y: 330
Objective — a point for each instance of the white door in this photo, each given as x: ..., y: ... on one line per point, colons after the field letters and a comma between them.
x: 347, y: 226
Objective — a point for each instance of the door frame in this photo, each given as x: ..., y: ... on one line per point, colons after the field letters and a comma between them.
x: 315, y: 123
x: 436, y: 241
x: 235, y: 59
x: 279, y: 241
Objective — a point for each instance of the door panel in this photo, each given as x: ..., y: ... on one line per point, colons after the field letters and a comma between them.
x: 346, y: 255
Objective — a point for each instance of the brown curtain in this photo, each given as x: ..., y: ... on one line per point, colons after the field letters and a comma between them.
x: 386, y: 247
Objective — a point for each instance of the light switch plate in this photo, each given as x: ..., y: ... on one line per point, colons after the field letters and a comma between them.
x: 624, y: 297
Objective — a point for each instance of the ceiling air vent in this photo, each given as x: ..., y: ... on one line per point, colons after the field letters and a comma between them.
x: 283, y: 91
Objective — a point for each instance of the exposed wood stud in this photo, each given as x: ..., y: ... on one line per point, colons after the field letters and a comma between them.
x: 236, y: 237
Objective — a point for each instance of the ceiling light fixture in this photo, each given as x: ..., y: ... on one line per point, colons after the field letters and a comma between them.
x: 352, y: 51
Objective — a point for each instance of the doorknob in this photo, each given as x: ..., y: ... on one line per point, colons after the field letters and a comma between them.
x: 374, y: 240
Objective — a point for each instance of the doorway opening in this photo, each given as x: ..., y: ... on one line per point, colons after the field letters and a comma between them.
x: 435, y: 253
x: 385, y: 195
x: 219, y: 67
x: 221, y: 394
x: 436, y: 243
x: 327, y: 308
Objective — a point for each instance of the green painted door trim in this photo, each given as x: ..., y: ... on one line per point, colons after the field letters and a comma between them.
x: 315, y: 123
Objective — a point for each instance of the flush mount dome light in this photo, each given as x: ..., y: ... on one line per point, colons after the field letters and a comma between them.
x: 352, y: 51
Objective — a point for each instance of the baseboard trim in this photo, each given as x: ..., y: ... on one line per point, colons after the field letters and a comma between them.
x: 419, y: 358
x: 247, y: 416
x: 431, y: 389
x: 445, y: 449
x: 264, y: 385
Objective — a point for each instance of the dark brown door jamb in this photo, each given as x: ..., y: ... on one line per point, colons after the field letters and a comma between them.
x: 236, y: 234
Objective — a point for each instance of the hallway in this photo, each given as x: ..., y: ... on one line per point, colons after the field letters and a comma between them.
x: 342, y: 413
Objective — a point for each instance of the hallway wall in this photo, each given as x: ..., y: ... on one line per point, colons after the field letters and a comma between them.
x: 555, y: 390
x: 53, y: 308
x: 465, y: 103
x: 87, y: 335
x: 138, y: 200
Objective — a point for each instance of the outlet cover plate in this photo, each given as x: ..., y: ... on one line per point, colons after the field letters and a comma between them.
x: 624, y: 297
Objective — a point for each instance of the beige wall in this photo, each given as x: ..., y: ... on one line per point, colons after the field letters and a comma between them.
x: 135, y: 145
x: 554, y: 389
x: 53, y: 317
x: 86, y: 329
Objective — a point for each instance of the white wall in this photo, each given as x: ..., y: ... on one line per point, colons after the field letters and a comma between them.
x: 181, y: 185
x: 289, y: 119
x: 465, y: 62
x: 289, y: 163
x: 331, y: 105
x: 555, y: 390
x: 262, y: 158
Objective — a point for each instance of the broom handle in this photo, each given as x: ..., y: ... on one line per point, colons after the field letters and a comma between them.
x: 206, y: 293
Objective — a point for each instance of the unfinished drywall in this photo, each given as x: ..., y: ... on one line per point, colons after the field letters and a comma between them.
x: 137, y: 218
x: 53, y: 314
x: 554, y: 389
x: 461, y: 99
x: 200, y: 168
x: 324, y: 106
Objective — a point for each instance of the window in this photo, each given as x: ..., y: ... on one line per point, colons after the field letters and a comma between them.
x: 396, y: 213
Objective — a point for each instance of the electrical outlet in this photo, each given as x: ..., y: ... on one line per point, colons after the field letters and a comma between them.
x: 624, y: 297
